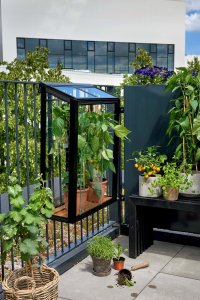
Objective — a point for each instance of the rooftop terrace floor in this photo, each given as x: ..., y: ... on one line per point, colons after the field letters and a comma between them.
x: 173, y: 274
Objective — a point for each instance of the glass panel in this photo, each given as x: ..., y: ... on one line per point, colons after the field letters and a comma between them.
x: 96, y: 92
x: 111, y: 63
x: 101, y: 63
x: 143, y: 46
x: 43, y: 43
x: 121, y: 49
x: 83, y: 92
x: 171, y: 49
x: 56, y: 46
x: 55, y: 60
x: 154, y: 57
x: 21, y: 54
x: 162, y: 50
x: 153, y: 47
x: 170, y: 62
x: 132, y: 47
x: 131, y: 59
x: 31, y: 44
x: 162, y: 62
x: 91, y: 61
x: 80, y: 62
x: 68, y: 59
x: 79, y: 48
x: 20, y: 43
x: 111, y: 47
x: 100, y: 48
x: 90, y: 46
x: 121, y: 65
x: 68, y: 45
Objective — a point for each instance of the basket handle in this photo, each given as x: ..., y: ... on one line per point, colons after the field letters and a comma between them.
x: 24, y: 283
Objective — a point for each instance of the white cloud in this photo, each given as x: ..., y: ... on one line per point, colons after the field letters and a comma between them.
x: 192, y: 5
x: 193, y: 22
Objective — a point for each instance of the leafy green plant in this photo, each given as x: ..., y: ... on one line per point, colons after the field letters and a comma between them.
x: 172, y: 178
x: 118, y: 251
x: 101, y: 247
x: 149, y: 161
x: 184, y: 116
x: 22, y: 227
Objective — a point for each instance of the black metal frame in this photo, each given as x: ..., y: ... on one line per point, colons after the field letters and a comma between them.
x: 73, y: 148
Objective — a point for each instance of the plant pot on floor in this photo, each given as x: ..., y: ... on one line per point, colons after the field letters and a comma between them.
x: 171, y: 194
x: 101, y: 267
x: 93, y: 194
x: 81, y: 200
x: 38, y: 282
x: 118, y: 264
x: 146, y: 189
x: 194, y: 190
x: 124, y: 275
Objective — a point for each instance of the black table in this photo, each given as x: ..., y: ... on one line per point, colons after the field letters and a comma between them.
x: 141, y: 219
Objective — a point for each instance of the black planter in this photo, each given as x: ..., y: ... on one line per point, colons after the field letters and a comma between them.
x: 123, y: 275
x: 101, y: 267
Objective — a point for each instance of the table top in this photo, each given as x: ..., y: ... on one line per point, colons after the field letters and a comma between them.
x: 183, y: 203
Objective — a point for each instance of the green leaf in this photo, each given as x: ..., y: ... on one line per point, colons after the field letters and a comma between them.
x: 47, y: 212
x: 196, y: 127
x: 15, y: 190
x: 29, y: 247
x: 17, y: 202
x: 121, y: 131
x: 81, y: 142
x: 109, y: 153
x: 2, y: 217
x: 194, y: 104
x: 58, y: 127
x: 104, y: 127
x: 197, y: 156
x: 16, y: 216
x: 104, y: 154
x: 95, y: 143
x: 29, y: 219
x: 185, y: 123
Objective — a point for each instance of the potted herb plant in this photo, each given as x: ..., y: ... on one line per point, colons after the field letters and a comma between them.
x: 101, y: 249
x: 22, y: 229
x: 171, y: 181
x: 182, y: 128
x: 149, y: 162
x: 118, y: 259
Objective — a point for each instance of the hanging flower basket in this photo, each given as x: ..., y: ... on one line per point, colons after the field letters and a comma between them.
x: 38, y: 282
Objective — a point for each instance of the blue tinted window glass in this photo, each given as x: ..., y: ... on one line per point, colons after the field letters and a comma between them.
x: 111, y: 63
x: 162, y: 50
x: 101, y: 63
x: 171, y: 49
x: 56, y: 46
x: 132, y: 47
x: 20, y: 43
x: 170, y: 62
x: 43, y: 43
x: 55, y: 60
x: 79, y: 48
x: 68, y: 60
x: 31, y: 44
x: 153, y: 48
x: 80, y: 62
x: 91, y: 61
x: 21, y: 54
x: 96, y: 92
x: 68, y: 45
x: 90, y: 46
x: 142, y: 46
x: 131, y: 59
x: 100, y: 48
x: 162, y: 62
x: 111, y: 47
x: 121, y: 65
x: 154, y: 57
x: 121, y: 49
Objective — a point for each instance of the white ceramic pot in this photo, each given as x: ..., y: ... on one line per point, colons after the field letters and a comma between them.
x: 194, y: 190
x: 145, y: 186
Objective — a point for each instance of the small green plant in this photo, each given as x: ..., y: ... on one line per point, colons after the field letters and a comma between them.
x: 101, y: 247
x: 149, y: 161
x: 129, y: 282
x: 172, y: 178
x: 22, y: 227
x: 118, y: 251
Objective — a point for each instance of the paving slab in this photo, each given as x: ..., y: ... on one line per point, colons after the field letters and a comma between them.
x: 186, y: 263
x: 170, y: 287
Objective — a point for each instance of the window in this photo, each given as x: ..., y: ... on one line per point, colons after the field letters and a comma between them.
x: 90, y: 46
x: 132, y: 47
x: 20, y: 43
x: 43, y: 43
x: 68, y: 45
x: 111, y: 47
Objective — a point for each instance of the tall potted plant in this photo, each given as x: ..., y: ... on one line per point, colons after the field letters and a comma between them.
x: 181, y: 125
x: 22, y: 229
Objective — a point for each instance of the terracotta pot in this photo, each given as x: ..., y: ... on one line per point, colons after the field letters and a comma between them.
x: 101, y: 267
x: 171, y: 194
x: 93, y: 197
x: 81, y: 200
x: 145, y: 185
x: 118, y: 264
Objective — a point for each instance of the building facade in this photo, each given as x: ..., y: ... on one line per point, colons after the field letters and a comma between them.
x: 98, y: 37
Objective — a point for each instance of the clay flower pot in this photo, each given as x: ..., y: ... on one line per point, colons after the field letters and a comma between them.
x: 81, y: 200
x: 118, y: 264
x: 92, y: 195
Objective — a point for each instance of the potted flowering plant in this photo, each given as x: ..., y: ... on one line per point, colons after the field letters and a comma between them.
x: 149, y: 162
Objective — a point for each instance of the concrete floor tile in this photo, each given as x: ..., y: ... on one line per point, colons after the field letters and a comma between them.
x: 186, y: 263
x: 170, y: 287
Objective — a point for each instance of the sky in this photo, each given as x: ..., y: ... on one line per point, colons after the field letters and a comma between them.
x: 192, y: 22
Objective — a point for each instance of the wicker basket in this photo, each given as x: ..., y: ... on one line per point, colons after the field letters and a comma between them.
x: 40, y: 283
